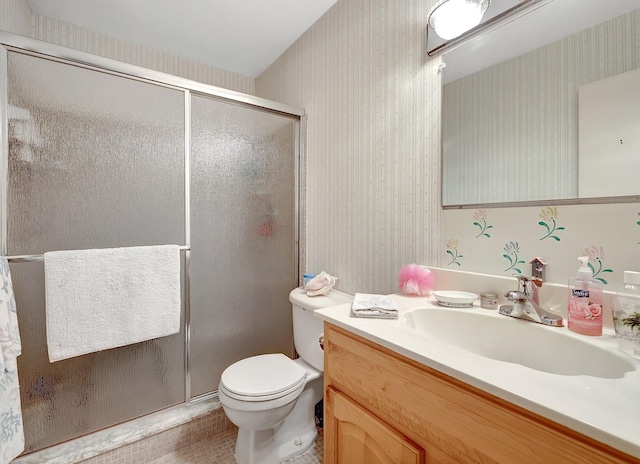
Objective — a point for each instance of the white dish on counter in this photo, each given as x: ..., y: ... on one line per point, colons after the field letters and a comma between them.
x: 454, y: 298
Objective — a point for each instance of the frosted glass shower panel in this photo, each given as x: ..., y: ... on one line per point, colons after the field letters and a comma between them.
x: 243, y: 234
x: 96, y: 159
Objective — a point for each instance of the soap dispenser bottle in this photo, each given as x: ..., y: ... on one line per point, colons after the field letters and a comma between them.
x: 585, y: 301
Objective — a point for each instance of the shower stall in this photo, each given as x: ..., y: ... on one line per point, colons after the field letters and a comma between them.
x: 100, y: 154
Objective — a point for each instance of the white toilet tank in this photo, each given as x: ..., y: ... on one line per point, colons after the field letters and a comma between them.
x: 307, y: 329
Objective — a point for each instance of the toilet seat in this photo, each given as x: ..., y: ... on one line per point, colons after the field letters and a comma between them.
x: 262, y: 378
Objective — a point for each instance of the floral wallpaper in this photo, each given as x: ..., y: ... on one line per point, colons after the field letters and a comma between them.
x: 505, y: 241
x: 511, y: 251
x: 549, y: 217
x: 480, y: 220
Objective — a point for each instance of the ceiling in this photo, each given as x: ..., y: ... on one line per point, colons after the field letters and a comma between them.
x: 242, y: 36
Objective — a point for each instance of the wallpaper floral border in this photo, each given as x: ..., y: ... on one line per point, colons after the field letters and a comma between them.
x: 504, y: 241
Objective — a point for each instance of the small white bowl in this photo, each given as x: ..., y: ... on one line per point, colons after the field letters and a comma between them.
x: 454, y: 298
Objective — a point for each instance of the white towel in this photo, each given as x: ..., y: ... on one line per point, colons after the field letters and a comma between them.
x: 11, y: 426
x: 101, y: 299
x: 374, y: 306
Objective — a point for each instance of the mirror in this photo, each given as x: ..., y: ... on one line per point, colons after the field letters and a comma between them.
x: 510, y: 107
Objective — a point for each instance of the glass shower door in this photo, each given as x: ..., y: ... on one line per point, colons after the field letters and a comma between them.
x: 100, y: 158
x: 243, y: 261
x: 96, y: 160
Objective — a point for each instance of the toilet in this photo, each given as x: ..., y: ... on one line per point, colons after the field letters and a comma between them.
x: 271, y: 398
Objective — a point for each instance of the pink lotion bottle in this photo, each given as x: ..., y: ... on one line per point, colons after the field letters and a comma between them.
x: 585, y: 301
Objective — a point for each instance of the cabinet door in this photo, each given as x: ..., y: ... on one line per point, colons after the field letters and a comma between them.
x: 353, y: 435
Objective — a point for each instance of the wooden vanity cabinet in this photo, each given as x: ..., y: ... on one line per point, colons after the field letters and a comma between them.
x: 383, y: 408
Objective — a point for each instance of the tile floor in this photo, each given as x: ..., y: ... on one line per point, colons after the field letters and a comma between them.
x: 203, y: 453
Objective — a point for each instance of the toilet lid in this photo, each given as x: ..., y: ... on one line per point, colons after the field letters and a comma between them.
x: 263, y: 375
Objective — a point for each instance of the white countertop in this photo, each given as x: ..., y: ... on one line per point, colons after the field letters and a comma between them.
x: 605, y: 409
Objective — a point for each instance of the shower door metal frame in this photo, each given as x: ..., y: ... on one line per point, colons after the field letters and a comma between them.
x: 16, y: 43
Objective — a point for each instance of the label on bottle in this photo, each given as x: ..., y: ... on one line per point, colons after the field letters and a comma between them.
x: 578, y: 293
x: 585, y: 311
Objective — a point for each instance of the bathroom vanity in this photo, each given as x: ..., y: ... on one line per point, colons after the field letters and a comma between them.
x: 396, y: 395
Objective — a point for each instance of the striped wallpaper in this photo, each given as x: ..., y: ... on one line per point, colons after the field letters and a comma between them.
x: 79, y: 38
x: 15, y: 16
x: 372, y: 98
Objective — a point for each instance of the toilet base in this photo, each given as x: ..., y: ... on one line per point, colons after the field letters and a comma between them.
x: 260, y: 447
x: 292, y: 437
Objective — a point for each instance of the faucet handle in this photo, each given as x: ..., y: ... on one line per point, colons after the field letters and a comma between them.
x: 523, y: 282
x: 528, y: 286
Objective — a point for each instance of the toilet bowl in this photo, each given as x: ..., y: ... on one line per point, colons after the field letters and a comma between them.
x: 271, y: 398
x: 275, y: 421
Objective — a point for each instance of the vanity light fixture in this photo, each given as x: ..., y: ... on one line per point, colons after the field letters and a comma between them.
x: 451, y: 18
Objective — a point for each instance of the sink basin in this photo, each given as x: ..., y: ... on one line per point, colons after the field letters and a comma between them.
x: 546, y: 349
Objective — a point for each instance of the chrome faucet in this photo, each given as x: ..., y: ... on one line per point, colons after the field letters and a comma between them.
x: 526, y: 307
